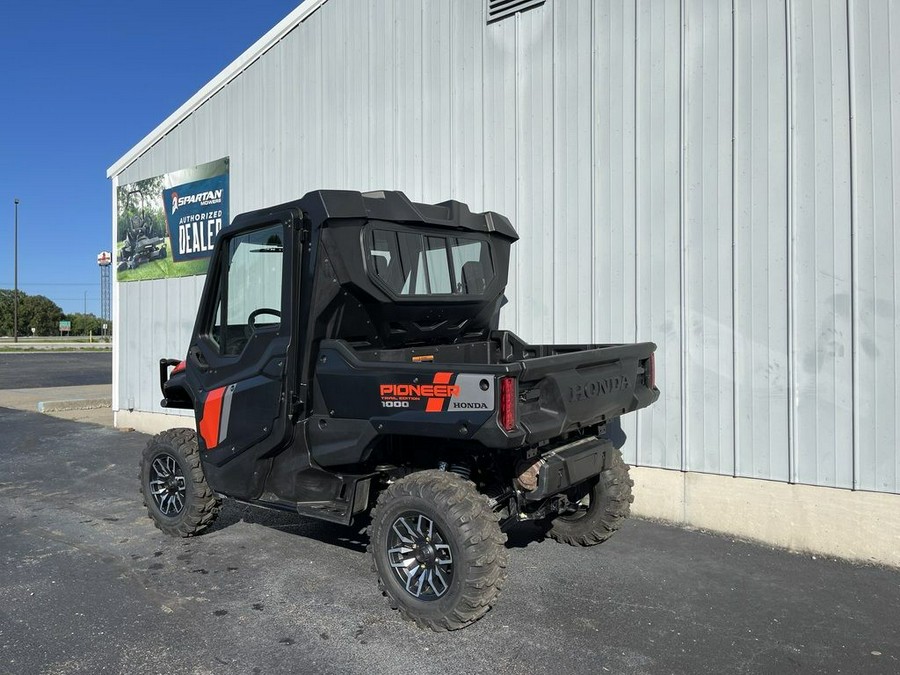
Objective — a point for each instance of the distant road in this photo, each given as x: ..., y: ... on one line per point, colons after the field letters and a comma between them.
x: 54, y: 346
x: 52, y: 343
x: 54, y: 369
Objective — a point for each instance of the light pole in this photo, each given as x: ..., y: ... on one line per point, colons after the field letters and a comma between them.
x: 16, y: 274
x: 85, y: 302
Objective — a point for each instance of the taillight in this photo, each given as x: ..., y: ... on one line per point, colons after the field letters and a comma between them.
x: 507, y: 416
x: 651, y: 371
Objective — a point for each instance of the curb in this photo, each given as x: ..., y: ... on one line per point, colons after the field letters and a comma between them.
x: 74, y: 404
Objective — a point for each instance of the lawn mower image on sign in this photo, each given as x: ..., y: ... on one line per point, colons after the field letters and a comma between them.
x: 140, y: 245
x: 346, y: 364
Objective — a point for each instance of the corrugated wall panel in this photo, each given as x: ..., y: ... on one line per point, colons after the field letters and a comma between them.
x: 678, y: 170
x: 614, y: 182
x: 271, y: 130
x: 292, y: 115
x: 242, y: 141
x: 658, y: 159
x: 573, y: 300
x: 156, y: 324
x: 408, y: 16
x: 760, y: 194
x: 336, y: 54
x: 203, y: 119
x: 875, y: 77
x: 613, y: 169
x: 380, y: 72
x: 821, y: 304
x: 707, y: 231
x: 466, y: 114
x: 535, y: 277
x: 438, y: 151
x: 312, y: 116
x: 351, y: 77
x: 500, y: 127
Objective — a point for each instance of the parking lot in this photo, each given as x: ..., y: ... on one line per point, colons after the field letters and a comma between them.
x: 88, y: 585
x: 54, y: 369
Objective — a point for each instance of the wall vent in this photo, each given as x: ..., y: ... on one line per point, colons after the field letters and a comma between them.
x: 502, y: 9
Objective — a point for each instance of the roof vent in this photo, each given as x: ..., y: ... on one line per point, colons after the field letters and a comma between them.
x: 502, y: 9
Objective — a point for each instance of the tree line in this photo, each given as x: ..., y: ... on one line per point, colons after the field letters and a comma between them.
x: 42, y: 314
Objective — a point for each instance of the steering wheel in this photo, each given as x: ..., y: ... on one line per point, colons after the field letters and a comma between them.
x: 251, y: 320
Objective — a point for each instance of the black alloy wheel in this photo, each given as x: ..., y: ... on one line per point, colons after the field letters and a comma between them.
x: 167, y: 485
x: 420, y: 556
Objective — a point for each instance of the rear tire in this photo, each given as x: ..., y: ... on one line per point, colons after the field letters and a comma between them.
x: 173, y: 485
x: 437, y: 549
x: 606, y: 502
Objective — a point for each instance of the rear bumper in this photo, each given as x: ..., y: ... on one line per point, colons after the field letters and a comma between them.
x: 569, y: 465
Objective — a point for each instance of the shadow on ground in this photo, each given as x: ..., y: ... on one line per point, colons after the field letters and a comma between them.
x: 353, y: 538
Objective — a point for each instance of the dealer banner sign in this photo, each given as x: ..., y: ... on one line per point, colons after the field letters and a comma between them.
x: 167, y: 225
x: 195, y: 213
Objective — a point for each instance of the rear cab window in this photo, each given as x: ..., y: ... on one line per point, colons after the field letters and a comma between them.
x: 410, y: 264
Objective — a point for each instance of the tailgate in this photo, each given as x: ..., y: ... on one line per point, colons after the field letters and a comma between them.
x: 567, y: 391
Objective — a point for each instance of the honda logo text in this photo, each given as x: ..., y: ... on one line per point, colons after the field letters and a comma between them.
x: 594, y: 388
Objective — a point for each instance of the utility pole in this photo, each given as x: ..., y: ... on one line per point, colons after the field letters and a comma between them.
x: 16, y: 274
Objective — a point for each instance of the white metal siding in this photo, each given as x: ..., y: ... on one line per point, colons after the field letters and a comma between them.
x: 717, y: 177
x: 613, y: 204
x: 658, y: 231
x: 820, y: 212
x: 761, y: 241
x: 707, y: 235
x: 875, y: 96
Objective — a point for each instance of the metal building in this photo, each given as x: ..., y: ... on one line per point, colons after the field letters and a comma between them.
x: 719, y: 177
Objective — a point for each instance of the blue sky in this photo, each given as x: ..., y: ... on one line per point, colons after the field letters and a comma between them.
x: 80, y: 84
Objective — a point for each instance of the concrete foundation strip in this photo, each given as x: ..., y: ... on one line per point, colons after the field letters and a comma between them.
x: 74, y: 404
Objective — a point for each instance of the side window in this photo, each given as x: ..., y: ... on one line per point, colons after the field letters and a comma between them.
x: 250, y: 295
x: 412, y: 264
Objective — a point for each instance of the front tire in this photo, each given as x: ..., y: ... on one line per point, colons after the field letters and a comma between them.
x: 437, y: 549
x: 602, y: 505
x: 173, y: 485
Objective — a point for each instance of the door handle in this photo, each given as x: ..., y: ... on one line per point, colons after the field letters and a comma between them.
x: 197, y: 356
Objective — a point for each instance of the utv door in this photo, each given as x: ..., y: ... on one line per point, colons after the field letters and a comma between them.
x: 239, y: 354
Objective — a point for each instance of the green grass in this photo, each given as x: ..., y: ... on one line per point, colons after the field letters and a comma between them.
x: 163, y: 269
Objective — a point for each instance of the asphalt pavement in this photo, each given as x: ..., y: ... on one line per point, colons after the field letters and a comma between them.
x: 54, y: 369
x: 88, y: 585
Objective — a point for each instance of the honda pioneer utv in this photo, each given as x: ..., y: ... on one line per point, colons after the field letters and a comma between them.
x: 346, y: 363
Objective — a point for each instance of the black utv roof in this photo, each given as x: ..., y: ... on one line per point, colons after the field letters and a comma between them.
x: 350, y: 303
x: 394, y: 206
